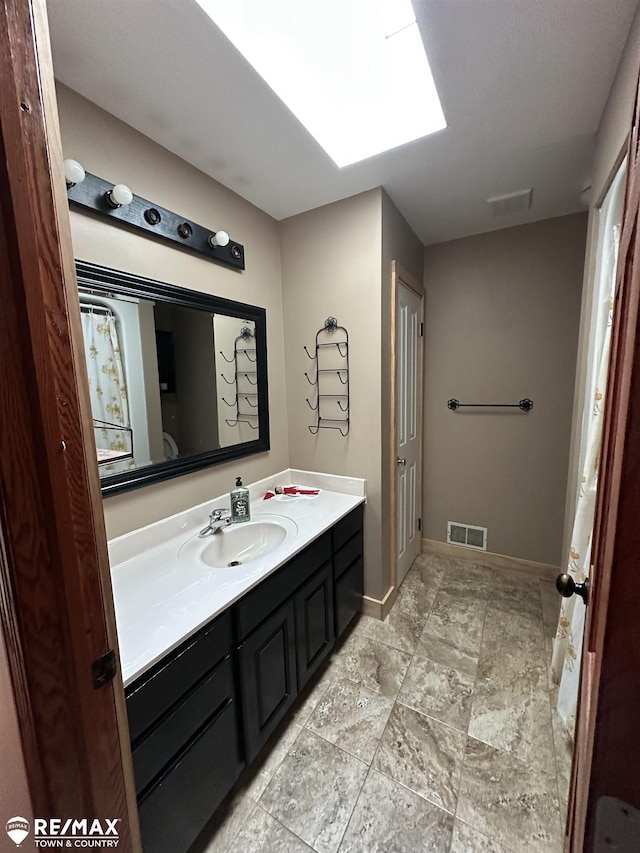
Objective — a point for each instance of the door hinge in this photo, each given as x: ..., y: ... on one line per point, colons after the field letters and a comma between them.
x: 419, y: 524
x: 104, y: 669
x: 421, y: 331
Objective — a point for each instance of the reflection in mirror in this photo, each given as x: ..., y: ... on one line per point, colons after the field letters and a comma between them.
x: 170, y: 382
x: 107, y: 385
x: 236, y: 357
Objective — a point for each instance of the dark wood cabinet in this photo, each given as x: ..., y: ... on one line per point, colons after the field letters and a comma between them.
x: 314, y: 622
x: 348, y: 596
x: 176, y: 808
x: 268, y: 681
x: 191, y: 734
x: 256, y: 605
x: 348, y: 568
x: 183, y: 720
x: 149, y: 697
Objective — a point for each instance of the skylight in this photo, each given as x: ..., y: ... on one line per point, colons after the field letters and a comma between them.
x: 354, y: 72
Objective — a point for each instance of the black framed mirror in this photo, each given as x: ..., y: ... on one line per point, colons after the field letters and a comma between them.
x: 177, y: 378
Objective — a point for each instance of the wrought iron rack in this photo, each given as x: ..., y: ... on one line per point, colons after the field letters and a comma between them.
x: 244, y: 357
x: 335, y: 378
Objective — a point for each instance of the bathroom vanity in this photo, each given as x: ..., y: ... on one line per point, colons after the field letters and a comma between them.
x: 201, y: 710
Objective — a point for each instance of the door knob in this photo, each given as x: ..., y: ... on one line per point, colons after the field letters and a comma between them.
x: 401, y: 461
x: 566, y: 586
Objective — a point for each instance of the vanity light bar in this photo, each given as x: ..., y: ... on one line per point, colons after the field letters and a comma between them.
x: 95, y: 195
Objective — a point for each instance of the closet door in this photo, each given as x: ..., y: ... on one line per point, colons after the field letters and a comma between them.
x: 408, y: 437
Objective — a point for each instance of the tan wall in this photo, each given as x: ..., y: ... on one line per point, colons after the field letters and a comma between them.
x: 399, y: 243
x: 331, y: 267
x: 14, y: 792
x: 615, y: 123
x: 611, y: 144
x: 113, y: 150
x: 502, y: 312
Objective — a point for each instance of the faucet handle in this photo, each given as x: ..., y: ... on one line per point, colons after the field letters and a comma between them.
x: 219, y: 514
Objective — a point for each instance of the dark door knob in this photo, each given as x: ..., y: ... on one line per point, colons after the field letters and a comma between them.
x: 566, y: 586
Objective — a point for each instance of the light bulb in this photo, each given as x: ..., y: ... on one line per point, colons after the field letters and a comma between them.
x: 220, y: 238
x: 120, y: 195
x: 73, y: 172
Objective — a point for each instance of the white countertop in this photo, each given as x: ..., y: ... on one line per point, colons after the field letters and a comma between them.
x: 160, y: 600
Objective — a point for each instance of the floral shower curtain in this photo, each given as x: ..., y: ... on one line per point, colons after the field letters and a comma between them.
x: 567, y: 647
x: 107, y: 387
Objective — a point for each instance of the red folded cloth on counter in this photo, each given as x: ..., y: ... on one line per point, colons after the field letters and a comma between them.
x: 290, y: 490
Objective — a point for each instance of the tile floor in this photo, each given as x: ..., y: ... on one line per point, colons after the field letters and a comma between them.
x: 431, y: 731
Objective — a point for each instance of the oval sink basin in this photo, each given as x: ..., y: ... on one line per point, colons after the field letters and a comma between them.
x: 240, y: 544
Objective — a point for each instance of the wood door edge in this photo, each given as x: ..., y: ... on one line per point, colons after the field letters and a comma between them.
x: 601, y: 730
x: 393, y: 431
x: 41, y: 294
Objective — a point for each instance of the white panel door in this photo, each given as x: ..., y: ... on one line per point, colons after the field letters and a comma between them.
x: 408, y: 321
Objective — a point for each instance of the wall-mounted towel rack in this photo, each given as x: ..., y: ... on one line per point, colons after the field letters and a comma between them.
x: 524, y: 405
x: 123, y: 444
x: 335, y: 379
x: 243, y: 376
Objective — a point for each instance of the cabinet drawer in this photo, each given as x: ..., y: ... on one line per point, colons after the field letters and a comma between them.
x: 175, y: 811
x: 347, y: 527
x: 155, y: 692
x: 171, y: 734
x: 314, y: 623
x: 348, y: 554
x: 348, y: 595
x: 268, y: 680
x: 256, y: 606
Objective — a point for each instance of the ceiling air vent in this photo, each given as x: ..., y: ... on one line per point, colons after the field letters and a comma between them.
x: 467, y: 535
x: 507, y: 205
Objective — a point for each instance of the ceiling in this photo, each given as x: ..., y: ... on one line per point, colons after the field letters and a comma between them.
x: 522, y: 82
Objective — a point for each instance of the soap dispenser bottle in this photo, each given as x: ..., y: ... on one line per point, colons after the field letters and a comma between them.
x: 240, y: 508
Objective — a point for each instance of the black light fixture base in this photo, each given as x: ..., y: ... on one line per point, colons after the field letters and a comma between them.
x: 92, y: 194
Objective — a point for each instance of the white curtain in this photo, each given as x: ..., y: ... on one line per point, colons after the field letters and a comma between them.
x: 107, y: 386
x: 567, y: 647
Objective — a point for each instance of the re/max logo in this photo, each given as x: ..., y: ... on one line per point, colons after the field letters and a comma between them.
x: 57, y: 828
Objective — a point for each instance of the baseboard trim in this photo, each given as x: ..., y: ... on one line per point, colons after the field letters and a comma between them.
x: 379, y: 608
x: 543, y: 571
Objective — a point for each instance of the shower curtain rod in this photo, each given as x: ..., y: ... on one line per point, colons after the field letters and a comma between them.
x: 91, y: 308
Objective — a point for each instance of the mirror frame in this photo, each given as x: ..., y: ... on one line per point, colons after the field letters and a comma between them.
x: 105, y: 280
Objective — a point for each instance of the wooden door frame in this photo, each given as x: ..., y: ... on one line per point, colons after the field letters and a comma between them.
x: 606, y: 758
x: 400, y: 274
x: 56, y: 606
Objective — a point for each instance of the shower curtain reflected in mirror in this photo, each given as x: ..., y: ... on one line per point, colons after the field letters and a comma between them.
x: 107, y: 387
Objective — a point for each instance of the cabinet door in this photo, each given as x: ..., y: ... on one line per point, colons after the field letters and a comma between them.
x: 348, y: 595
x: 151, y: 695
x: 314, y: 622
x: 267, y: 676
x: 168, y: 738
x: 180, y: 804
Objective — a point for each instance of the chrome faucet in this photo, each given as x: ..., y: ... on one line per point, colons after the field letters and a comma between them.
x: 218, y: 520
